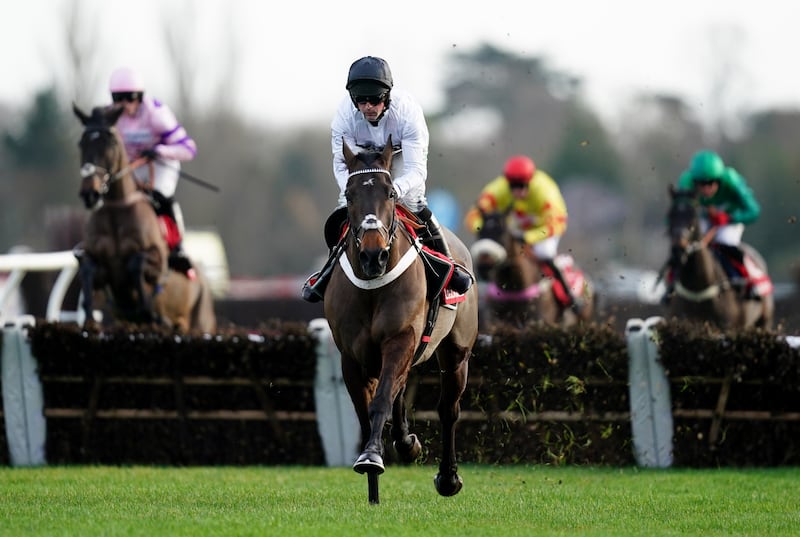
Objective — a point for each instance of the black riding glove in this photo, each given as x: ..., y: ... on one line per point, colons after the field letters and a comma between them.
x: 149, y: 154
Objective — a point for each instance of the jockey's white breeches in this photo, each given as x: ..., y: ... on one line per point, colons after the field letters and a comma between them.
x: 730, y: 234
x: 547, y: 248
x: 165, y: 176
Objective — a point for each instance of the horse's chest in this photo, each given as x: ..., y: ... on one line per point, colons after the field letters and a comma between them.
x: 115, y: 233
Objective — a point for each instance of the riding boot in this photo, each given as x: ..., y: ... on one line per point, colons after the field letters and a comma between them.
x: 572, y: 302
x: 732, y: 259
x: 169, y: 208
x: 669, y: 284
x: 314, y: 286
x: 461, y: 280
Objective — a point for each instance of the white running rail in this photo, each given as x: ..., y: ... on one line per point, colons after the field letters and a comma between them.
x: 18, y: 264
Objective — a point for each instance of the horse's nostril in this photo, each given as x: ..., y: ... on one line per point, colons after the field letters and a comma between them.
x: 383, y: 257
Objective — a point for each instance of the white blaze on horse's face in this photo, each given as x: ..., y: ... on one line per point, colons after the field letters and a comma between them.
x: 369, y: 182
x: 371, y: 221
x: 88, y: 169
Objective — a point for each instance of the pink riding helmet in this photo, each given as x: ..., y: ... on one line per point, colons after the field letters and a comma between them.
x: 125, y: 79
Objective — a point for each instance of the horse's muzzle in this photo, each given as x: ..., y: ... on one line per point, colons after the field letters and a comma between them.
x: 90, y: 198
x: 373, y: 261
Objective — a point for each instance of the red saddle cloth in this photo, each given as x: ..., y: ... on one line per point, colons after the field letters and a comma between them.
x: 757, y: 279
x: 170, y: 231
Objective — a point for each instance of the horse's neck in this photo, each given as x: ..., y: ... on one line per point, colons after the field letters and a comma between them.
x: 702, y: 268
x: 123, y: 186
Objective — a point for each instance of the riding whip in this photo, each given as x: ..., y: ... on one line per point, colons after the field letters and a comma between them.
x: 190, y: 177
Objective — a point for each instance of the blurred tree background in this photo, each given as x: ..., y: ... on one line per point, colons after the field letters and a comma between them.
x: 277, y: 186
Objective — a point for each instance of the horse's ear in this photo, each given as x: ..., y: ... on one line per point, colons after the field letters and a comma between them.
x: 349, y: 156
x: 113, y: 113
x: 80, y: 114
x: 388, y: 152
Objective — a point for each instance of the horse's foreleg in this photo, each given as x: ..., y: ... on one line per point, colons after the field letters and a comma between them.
x: 86, y: 272
x: 135, y: 268
x: 360, y: 389
x: 407, y: 445
x: 396, y: 354
x: 453, y: 378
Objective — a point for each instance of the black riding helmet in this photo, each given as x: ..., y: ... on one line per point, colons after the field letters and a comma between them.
x: 369, y: 76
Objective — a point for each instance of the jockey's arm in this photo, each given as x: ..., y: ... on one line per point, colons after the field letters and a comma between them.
x: 414, y: 143
x: 174, y: 142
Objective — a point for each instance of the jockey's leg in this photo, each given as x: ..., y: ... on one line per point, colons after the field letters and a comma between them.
x: 461, y: 280
x: 669, y: 284
x: 732, y: 259
x: 314, y: 287
x: 168, y: 207
x: 573, y: 302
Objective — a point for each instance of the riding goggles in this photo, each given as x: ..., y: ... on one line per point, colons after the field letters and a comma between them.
x: 705, y: 181
x: 128, y: 96
x: 371, y: 99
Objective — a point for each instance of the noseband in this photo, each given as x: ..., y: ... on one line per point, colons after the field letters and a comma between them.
x: 371, y: 221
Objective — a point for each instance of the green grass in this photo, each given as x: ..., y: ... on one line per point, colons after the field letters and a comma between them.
x: 504, y: 501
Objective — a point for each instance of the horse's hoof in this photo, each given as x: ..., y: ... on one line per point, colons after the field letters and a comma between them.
x: 448, y: 487
x: 408, y: 452
x: 369, y: 463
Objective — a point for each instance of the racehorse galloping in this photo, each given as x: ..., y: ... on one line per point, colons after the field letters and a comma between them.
x: 702, y: 289
x: 519, y: 291
x: 125, y: 253
x: 376, y: 304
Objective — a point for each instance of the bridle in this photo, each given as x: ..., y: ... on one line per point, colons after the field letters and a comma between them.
x: 371, y: 222
x: 91, y: 169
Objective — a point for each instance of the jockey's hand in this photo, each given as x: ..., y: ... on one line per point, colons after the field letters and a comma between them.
x: 149, y: 154
x: 718, y: 217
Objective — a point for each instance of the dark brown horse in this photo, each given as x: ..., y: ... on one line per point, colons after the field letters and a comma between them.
x: 377, y: 306
x: 124, y: 251
x: 703, y: 291
x: 519, y: 290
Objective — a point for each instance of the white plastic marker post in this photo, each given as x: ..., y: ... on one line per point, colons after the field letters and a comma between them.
x: 649, y: 391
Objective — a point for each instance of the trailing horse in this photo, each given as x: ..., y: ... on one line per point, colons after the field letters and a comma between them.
x: 520, y: 289
x: 124, y: 255
x: 385, y: 317
x: 703, y: 290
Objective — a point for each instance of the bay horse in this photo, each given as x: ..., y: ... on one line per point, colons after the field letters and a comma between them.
x: 703, y: 291
x: 519, y: 289
x: 124, y: 258
x: 377, y: 306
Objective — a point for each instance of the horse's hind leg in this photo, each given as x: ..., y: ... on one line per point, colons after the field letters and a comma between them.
x: 407, y: 445
x: 453, y: 378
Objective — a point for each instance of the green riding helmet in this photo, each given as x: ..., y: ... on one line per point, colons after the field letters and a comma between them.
x: 706, y: 165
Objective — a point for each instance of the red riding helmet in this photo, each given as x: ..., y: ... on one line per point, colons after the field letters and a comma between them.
x: 519, y: 170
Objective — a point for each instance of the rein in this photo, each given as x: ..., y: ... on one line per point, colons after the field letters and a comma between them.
x: 89, y: 169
